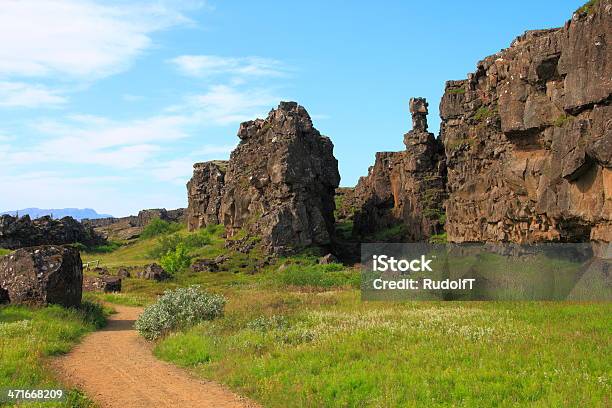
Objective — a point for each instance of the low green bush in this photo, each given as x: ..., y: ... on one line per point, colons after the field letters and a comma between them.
x: 169, y: 243
x: 176, y: 260
x: 177, y: 309
x: 159, y: 227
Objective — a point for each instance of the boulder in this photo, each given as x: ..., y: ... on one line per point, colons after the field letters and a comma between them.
x: 100, y: 270
x: 42, y: 275
x: 104, y: 284
x: 328, y: 259
x: 153, y: 272
x: 124, y: 273
x: 205, y: 265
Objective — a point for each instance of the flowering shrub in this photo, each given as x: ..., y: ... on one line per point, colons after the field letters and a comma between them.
x: 179, y: 308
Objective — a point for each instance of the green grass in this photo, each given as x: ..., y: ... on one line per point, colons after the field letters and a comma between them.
x: 338, y: 351
x: 562, y: 120
x: 483, y: 113
x: 299, y: 335
x: 30, y: 335
x: 319, y: 276
x: 4, y: 251
x: 456, y: 91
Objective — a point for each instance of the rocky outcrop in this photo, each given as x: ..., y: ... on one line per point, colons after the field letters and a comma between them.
x: 404, y: 191
x: 42, y: 275
x: 25, y: 232
x: 278, y: 187
x: 153, y: 272
x: 204, y: 192
x: 106, y: 284
x: 131, y: 227
x: 528, y: 138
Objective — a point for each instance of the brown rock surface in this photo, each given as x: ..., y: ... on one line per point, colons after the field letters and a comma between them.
x: 528, y: 138
x: 279, y: 183
x: 404, y: 188
x: 204, y: 192
x: 42, y: 275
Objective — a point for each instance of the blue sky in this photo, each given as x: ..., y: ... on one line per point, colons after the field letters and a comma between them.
x: 107, y: 104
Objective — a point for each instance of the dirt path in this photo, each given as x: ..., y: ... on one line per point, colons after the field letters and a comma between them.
x: 116, y: 368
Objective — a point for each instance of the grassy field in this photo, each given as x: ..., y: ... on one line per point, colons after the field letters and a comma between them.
x: 297, y: 334
x: 28, y: 336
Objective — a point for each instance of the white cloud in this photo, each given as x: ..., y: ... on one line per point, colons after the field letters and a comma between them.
x: 81, y: 39
x: 23, y: 95
x: 210, y: 65
x: 98, y: 142
x: 223, y: 104
x: 180, y: 170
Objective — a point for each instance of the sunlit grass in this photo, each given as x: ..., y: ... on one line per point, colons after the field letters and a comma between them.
x: 29, y: 335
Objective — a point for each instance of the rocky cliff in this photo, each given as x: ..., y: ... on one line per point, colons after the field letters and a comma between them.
x: 528, y: 138
x: 278, y: 185
x: 404, y: 191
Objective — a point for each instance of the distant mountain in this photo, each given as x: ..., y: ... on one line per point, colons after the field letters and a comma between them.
x: 76, y: 213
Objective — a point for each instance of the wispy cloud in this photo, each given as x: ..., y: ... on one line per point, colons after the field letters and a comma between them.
x: 77, y: 38
x: 224, y: 104
x: 210, y: 65
x: 24, y: 95
x: 98, y: 141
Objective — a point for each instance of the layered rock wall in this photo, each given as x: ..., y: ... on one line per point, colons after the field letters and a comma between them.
x: 528, y: 138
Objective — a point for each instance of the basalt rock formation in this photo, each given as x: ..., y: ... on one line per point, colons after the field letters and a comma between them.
x: 131, y: 227
x: 528, y: 138
x: 205, y: 191
x: 42, y: 275
x: 25, y: 232
x: 406, y: 188
x: 278, y: 186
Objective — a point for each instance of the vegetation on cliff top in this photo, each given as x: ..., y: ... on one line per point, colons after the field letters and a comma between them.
x: 588, y: 7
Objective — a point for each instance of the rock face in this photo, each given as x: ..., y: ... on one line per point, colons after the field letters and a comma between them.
x: 25, y: 232
x: 528, y: 138
x: 131, y: 227
x: 279, y: 183
x: 42, y: 275
x: 204, y: 192
x: 404, y: 191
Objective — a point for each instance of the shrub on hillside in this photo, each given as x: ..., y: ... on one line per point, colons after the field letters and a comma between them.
x: 168, y: 243
x: 177, y: 309
x: 159, y: 227
x: 176, y: 260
